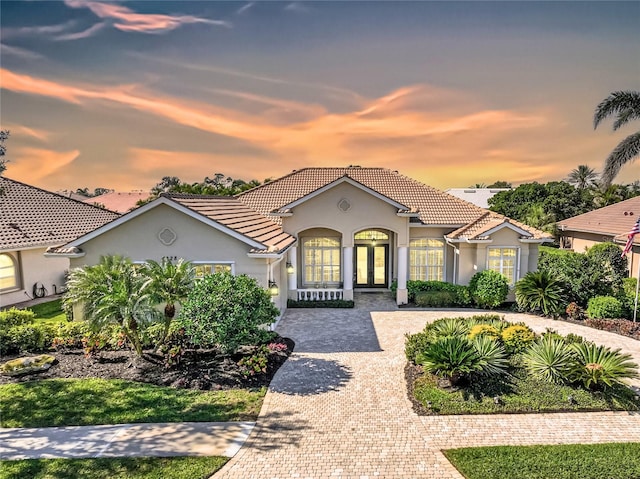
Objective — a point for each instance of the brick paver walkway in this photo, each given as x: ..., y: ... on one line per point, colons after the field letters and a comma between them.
x: 338, y: 407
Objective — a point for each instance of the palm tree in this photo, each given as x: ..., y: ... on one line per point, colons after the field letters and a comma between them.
x: 113, y: 292
x: 583, y: 177
x: 170, y: 284
x: 625, y: 105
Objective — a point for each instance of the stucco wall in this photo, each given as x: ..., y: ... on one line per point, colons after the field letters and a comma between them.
x: 582, y: 241
x: 36, y: 269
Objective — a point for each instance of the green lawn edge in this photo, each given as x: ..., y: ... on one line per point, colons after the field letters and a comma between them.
x: 108, y: 468
x: 91, y: 401
x: 583, y: 461
x: 50, y: 312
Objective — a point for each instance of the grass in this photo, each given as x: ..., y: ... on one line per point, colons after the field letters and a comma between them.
x: 593, y: 461
x: 50, y: 312
x: 520, y: 393
x: 103, y: 468
x: 77, y: 402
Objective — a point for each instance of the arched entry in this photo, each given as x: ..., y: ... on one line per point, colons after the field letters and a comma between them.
x: 371, y: 259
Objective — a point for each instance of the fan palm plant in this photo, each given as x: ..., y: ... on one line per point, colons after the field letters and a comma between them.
x: 549, y: 359
x: 625, y: 106
x: 596, y: 366
x: 583, y: 177
x: 539, y: 291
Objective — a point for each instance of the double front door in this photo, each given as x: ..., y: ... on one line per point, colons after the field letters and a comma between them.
x: 372, y: 266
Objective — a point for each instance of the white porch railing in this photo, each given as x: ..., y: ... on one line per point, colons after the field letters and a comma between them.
x: 319, y: 294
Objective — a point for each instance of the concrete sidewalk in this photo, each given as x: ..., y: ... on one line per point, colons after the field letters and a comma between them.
x: 125, y: 440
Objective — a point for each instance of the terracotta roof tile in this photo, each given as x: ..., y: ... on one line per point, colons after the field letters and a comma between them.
x: 234, y: 214
x: 30, y: 216
x: 477, y: 229
x: 614, y: 220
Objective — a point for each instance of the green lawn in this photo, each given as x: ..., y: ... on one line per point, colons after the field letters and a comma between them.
x: 76, y: 402
x: 520, y: 393
x: 50, y: 312
x: 576, y: 461
x: 129, y: 468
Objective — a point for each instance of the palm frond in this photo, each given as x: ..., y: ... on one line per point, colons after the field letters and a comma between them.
x: 621, y: 103
x: 626, y: 152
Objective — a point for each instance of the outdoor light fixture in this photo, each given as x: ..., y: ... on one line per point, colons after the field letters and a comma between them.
x: 373, y: 242
x: 273, y: 288
x: 290, y: 269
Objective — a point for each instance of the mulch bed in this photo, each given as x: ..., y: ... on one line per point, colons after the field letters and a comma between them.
x: 198, y: 369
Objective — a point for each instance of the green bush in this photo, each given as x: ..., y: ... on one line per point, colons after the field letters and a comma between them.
x: 484, y: 330
x: 604, y: 307
x: 333, y: 303
x: 549, y: 359
x: 627, y: 296
x: 16, y: 317
x: 461, y: 293
x: 415, y: 344
x: 26, y: 338
x: 489, y: 289
x: 539, y: 291
x: 227, y: 311
x: 70, y: 335
x: 517, y: 338
x: 596, y: 366
x: 435, y: 299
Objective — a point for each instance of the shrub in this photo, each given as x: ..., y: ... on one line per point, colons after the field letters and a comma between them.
x: 492, y: 356
x: 16, y: 317
x: 549, y: 359
x: 32, y: 337
x: 332, y: 303
x: 460, y: 293
x: 539, y: 291
x: 69, y: 335
x: 489, y: 289
x: 485, y: 330
x: 596, y: 366
x: 604, y: 307
x: 448, y: 327
x: 628, y: 295
x: 517, y: 338
x: 574, y: 312
x: 256, y: 363
x: 227, y: 311
x: 415, y: 344
x: 620, y: 326
x: 435, y: 299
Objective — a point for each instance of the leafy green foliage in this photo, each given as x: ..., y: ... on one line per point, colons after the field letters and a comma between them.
x: 538, y: 291
x: 584, y: 461
x: 604, y: 307
x: 451, y: 357
x: 227, y: 311
x: 549, y: 359
x: 492, y: 356
x: 447, y: 327
x: 16, y: 317
x: 517, y: 338
x: 415, y: 343
x: 114, y: 468
x: 488, y: 289
x: 459, y: 292
x: 435, y: 299
x: 30, y: 337
x: 486, y: 330
x: 596, y: 366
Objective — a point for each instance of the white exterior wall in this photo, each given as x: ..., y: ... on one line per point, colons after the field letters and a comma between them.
x: 35, y: 268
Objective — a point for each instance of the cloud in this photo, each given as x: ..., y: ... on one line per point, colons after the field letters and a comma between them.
x: 245, y: 8
x: 127, y: 20
x: 39, y: 29
x: 297, y: 7
x: 89, y: 32
x: 19, y: 52
x: 32, y: 165
x: 21, y: 130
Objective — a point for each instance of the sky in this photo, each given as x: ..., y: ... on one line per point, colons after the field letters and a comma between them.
x: 120, y: 94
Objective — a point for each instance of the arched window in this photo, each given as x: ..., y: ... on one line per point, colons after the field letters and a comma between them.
x: 9, y: 272
x: 371, y: 235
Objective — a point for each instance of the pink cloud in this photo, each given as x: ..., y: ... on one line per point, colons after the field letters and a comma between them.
x: 32, y: 165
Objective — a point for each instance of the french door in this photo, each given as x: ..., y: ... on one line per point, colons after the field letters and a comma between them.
x: 371, y: 266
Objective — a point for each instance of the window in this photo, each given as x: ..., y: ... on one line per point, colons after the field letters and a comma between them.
x: 426, y: 259
x: 371, y: 235
x: 504, y: 261
x: 321, y: 258
x: 9, y: 272
x: 203, y: 269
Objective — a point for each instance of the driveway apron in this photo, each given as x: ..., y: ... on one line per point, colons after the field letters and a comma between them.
x: 339, y: 408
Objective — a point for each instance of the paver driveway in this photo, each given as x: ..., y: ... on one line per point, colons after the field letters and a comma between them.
x: 338, y: 406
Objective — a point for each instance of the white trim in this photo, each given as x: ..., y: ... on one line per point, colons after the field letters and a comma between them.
x: 344, y: 179
x: 65, y: 255
x: 266, y: 255
x: 516, y: 265
x: 506, y: 224
x: 534, y: 241
x: 173, y: 204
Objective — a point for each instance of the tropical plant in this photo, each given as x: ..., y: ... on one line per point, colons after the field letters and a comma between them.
x: 114, y: 292
x: 549, y: 359
x: 516, y: 338
x: 485, y: 330
x: 625, y: 106
x: 492, y: 356
x: 605, y: 307
x: 539, y: 291
x: 170, y: 284
x: 596, y: 366
x: 488, y: 288
x: 451, y: 357
x: 447, y: 327
x: 414, y: 344
x: 583, y: 177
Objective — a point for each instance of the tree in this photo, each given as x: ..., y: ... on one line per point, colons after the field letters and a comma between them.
x: 170, y: 284
x: 114, y: 292
x: 4, y: 135
x: 583, y: 177
x: 625, y: 106
x: 500, y: 184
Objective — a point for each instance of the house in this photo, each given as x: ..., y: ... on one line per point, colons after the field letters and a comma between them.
x: 118, y: 201
x: 611, y: 223
x: 477, y: 196
x: 322, y: 233
x: 32, y: 220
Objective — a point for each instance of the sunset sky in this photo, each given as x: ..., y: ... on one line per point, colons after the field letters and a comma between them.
x: 118, y: 95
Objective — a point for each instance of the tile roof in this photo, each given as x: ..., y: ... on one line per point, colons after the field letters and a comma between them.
x: 476, y: 230
x: 119, y: 201
x: 234, y: 214
x: 614, y: 220
x: 434, y: 207
x: 30, y: 217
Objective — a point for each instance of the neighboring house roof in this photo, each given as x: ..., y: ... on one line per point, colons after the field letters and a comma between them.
x: 119, y: 201
x: 614, y: 220
x: 31, y: 217
x: 72, y: 195
x: 477, y: 196
x: 485, y: 225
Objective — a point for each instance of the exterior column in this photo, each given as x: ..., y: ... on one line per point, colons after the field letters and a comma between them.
x: 293, y: 278
x: 347, y: 272
x: 402, y: 296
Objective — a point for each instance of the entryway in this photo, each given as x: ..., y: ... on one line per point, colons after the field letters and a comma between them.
x: 371, y: 259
